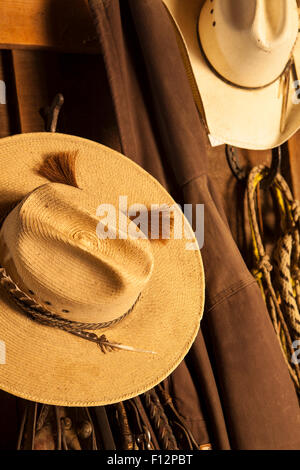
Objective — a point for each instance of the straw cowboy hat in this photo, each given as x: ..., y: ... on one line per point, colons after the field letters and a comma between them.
x: 243, y: 59
x: 87, y: 319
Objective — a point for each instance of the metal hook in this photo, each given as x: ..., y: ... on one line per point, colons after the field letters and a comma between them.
x: 241, y: 173
x: 145, y: 438
x: 234, y: 164
x: 274, y: 168
x: 50, y: 113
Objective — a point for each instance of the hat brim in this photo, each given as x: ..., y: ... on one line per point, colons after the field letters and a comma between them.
x: 243, y: 118
x: 48, y: 365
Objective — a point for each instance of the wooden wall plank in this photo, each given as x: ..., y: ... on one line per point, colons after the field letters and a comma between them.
x: 294, y: 155
x: 32, y: 75
x: 4, y: 114
x: 63, y: 25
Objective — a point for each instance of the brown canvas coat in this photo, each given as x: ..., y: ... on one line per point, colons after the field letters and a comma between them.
x: 244, y: 393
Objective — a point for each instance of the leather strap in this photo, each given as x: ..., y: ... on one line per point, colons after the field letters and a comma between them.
x: 104, y: 429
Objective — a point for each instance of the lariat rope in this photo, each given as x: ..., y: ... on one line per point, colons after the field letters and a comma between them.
x: 279, y: 275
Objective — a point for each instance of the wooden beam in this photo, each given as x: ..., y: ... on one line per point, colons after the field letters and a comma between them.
x: 294, y: 152
x: 61, y: 25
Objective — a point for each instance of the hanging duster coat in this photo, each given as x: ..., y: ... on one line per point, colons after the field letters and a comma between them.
x: 233, y: 387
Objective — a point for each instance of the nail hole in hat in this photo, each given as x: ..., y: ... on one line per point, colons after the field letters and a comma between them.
x: 31, y: 292
x: 47, y: 302
x: 65, y: 311
x: 211, y: 11
x: 214, y: 23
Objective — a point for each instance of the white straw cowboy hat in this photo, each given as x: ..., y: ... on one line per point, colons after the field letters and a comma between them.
x: 60, y: 281
x: 243, y: 59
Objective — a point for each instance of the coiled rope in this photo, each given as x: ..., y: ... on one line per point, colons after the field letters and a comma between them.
x: 278, y: 275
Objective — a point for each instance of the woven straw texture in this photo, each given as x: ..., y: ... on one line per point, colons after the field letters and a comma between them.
x: 48, y: 365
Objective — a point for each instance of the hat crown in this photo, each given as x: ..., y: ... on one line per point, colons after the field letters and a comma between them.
x: 249, y: 42
x: 271, y: 24
x: 54, y: 254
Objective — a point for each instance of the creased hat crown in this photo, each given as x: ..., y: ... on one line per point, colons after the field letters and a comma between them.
x: 249, y: 42
x: 51, y: 249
